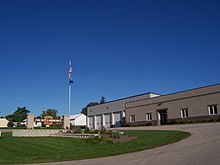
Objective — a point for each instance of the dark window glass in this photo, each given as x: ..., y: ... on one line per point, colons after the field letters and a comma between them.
x: 215, y: 110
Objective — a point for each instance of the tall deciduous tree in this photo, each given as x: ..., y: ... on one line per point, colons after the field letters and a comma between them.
x: 50, y: 112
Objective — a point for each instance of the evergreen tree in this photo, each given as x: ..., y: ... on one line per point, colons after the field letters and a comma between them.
x: 102, y: 101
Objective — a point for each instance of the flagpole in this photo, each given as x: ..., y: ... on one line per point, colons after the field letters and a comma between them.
x: 69, y: 91
x: 69, y: 100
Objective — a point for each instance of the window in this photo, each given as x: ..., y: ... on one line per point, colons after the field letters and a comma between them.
x: 132, y: 118
x: 184, y: 113
x: 148, y: 116
x: 212, y: 109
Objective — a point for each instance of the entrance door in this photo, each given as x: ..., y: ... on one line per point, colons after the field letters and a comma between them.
x: 162, y: 117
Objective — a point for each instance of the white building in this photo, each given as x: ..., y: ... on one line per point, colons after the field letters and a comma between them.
x: 78, y: 120
x: 3, y: 122
x: 37, y: 124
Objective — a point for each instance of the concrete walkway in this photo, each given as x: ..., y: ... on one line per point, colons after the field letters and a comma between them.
x: 202, y: 148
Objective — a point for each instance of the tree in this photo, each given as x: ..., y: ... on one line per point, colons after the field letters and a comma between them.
x: 10, y: 124
x: 50, y: 112
x: 84, y: 110
x: 19, y: 115
x: 102, y: 101
x: 9, y: 117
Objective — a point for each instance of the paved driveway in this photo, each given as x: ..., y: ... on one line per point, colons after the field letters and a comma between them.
x: 201, y: 148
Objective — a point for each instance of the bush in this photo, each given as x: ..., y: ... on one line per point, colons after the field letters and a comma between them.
x: 149, y: 124
x: 57, y: 125
x: 103, y: 130
x: 171, y: 122
x: 87, y: 130
x: 96, y: 131
x: 10, y: 124
x: 43, y: 125
x: 213, y: 120
x: 95, y: 139
x: 77, y: 130
x: 182, y: 122
x: 115, y: 135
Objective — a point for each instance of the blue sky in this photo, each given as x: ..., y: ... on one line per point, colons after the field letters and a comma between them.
x: 118, y: 48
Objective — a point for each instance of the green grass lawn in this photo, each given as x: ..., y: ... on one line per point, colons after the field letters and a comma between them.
x: 50, y: 149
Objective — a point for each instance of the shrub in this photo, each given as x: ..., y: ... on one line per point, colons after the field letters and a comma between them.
x: 43, y: 125
x: 77, y: 130
x: 171, y: 122
x: 115, y: 135
x: 96, y: 131
x: 95, y: 139
x: 103, y: 130
x: 57, y: 125
x: 10, y: 124
x: 87, y: 130
x: 149, y: 124
x: 182, y: 122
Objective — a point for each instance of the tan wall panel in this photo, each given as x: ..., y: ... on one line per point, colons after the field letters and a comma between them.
x: 197, y: 106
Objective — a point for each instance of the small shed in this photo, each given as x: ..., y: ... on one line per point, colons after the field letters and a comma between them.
x: 78, y: 120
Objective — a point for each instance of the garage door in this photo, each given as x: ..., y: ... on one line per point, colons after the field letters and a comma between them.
x: 108, y: 120
x: 98, y: 122
x: 91, y: 122
x: 118, y: 119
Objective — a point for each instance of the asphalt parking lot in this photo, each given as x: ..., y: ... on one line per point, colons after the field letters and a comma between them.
x: 201, y: 148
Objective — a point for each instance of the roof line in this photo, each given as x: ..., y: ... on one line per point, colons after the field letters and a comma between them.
x: 157, y: 94
x: 180, y: 92
x: 127, y: 98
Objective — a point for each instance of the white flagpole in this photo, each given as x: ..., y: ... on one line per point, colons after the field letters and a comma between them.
x: 69, y: 98
x: 69, y: 93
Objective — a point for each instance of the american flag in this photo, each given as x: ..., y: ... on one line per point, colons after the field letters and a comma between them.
x: 70, y: 73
